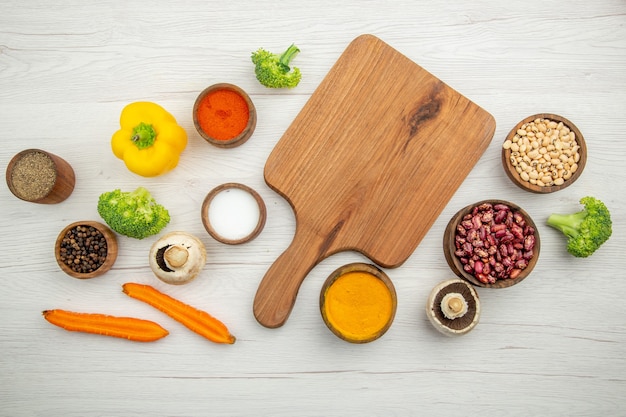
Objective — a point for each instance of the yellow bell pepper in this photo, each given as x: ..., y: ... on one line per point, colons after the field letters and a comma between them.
x: 149, y: 140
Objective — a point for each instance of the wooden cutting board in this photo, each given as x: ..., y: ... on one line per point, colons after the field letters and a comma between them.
x: 368, y: 164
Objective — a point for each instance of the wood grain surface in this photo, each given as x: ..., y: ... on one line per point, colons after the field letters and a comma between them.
x: 368, y: 165
x: 554, y: 345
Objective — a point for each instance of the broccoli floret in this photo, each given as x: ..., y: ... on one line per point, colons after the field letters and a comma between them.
x: 132, y: 213
x: 273, y: 71
x: 586, y: 230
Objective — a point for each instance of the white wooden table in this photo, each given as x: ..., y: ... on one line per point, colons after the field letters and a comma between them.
x: 553, y: 345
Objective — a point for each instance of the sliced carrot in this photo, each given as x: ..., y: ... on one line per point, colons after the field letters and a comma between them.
x: 195, y: 320
x: 130, y: 328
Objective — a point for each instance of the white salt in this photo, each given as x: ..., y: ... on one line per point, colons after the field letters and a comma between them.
x: 234, y: 213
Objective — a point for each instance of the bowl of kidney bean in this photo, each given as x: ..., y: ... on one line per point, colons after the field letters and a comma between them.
x: 86, y: 249
x: 492, y: 243
x: 544, y: 153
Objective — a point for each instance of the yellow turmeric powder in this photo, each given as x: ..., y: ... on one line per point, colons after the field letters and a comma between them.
x: 359, y: 306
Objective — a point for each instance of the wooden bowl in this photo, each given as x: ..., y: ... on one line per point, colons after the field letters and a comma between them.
x: 40, y: 177
x: 221, y: 114
x: 451, y: 246
x: 237, y: 209
x: 551, y: 173
x: 111, y: 250
x: 343, y: 298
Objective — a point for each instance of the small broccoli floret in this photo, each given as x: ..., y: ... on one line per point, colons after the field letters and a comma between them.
x: 132, y: 213
x: 273, y: 71
x: 586, y: 230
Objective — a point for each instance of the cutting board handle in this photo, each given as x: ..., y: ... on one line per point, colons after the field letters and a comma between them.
x: 278, y: 290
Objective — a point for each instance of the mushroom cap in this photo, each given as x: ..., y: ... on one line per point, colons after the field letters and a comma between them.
x: 459, y: 325
x: 177, y: 257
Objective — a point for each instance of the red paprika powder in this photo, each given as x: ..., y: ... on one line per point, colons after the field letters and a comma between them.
x: 223, y: 114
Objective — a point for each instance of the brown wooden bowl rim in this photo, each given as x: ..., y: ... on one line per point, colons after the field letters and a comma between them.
x: 247, y: 131
x: 454, y: 262
x: 207, y: 223
x: 514, y: 176
x: 111, y: 257
x: 359, y: 267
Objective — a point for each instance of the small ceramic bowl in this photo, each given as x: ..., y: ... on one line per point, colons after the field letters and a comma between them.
x: 233, y: 213
x: 466, y: 242
x: 212, y: 116
x: 544, y: 157
x: 40, y: 177
x: 104, y: 259
x: 358, y: 303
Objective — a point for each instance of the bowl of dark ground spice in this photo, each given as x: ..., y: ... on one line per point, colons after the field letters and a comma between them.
x: 86, y: 249
x: 40, y: 177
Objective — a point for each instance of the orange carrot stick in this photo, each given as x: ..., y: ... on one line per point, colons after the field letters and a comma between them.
x: 195, y: 320
x: 130, y: 328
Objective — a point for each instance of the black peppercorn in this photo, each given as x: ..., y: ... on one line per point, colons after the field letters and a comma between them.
x: 83, y: 249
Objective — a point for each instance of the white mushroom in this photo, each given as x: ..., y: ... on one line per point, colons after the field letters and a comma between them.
x: 453, y: 307
x: 177, y: 257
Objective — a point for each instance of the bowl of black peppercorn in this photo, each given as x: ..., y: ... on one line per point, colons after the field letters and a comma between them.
x: 86, y: 249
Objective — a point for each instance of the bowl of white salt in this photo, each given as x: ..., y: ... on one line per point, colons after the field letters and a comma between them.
x: 233, y: 213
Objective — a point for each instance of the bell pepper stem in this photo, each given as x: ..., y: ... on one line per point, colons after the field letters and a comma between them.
x: 144, y: 135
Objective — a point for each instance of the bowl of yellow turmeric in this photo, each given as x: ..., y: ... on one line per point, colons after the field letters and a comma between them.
x: 358, y: 302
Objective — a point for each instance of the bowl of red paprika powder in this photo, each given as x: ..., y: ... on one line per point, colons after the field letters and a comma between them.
x: 224, y: 115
